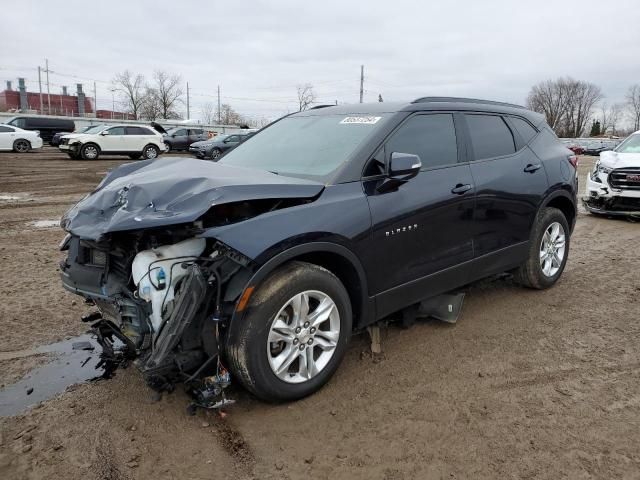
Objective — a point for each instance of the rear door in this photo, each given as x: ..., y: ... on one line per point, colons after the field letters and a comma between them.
x: 137, y: 138
x: 509, y: 180
x: 426, y: 225
x: 180, y: 139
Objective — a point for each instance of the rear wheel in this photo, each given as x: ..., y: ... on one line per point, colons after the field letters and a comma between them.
x: 21, y: 146
x: 293, y: 335
x: 150, y: 152
x: 548, y: 250
x: 90, y: 151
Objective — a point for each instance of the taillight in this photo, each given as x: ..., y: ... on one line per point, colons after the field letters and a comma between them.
x: 573, y: 160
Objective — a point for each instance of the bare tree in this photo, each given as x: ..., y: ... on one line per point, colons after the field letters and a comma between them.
x: 633, y: 105
x: 151, y: 109
x: 168, y: 93
x: 131, y: 90
x: 306, y: 96
x: 609, y: 117
x: 566, y: 103
x: 228, y: 116
x: 209, y: 114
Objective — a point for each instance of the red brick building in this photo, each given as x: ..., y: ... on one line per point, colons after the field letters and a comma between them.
x: 60, y: 104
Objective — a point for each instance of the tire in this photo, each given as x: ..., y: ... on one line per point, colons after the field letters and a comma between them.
x: 135, y: 156
x: 253, y: 345
x: 168, y: 147
x: 535, y: 272
x: 90, y: 151
x: 216, y: 153
x: 150, y: 152
x: 21, y: 146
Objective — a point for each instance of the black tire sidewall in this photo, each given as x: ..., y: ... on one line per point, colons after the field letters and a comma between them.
x: 294, y: 278
x: 545, y: 219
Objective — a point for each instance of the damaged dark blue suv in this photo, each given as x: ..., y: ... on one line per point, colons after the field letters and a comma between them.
x: 259, y: 267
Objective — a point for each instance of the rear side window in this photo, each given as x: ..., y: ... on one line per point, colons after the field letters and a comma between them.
x: 180, y: 133
x: 490, y: 136
x: 138, y: 131
x: 524, y: 128
x: 431, y: 137
x: 196, y: 132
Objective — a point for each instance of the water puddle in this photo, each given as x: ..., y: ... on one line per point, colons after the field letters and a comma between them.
x: 76, y: 361
x: 45, y: 223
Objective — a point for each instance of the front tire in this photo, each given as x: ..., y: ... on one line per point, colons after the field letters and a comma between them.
x: 167, y: 147
x: 90, y: 151
x: 293, y: 335
x: 150, y: 152
x: 548, y: 250
x: 21, y: 146
x: 216, y: 153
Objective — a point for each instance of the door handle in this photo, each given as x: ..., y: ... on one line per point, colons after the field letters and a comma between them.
x: 532, y: 167
x: 461, y: 189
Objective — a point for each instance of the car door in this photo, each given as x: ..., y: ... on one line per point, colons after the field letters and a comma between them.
x: 136, y: 138
x: 180, y: 139
x: 114, y: 141
x: 510, y: 181
x: 425, y: 226
x: 7, y: 136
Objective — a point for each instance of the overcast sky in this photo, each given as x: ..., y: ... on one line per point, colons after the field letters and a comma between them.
x: 258, y: 51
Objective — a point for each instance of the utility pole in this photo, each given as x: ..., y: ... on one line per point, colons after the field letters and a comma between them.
x: 48, y: 91
x: 95, y: 99
x: 219, y: 112
x: 40, y: 84
x: 188, y: 112
x: 361, y: 82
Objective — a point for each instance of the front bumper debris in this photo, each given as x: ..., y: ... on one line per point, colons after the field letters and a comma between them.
x: 603, y: 199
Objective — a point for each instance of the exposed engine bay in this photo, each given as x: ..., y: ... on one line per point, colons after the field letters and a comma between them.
x: 162, y: 303
x: 143, y: 249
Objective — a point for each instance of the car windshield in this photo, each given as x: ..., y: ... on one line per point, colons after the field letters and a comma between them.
x: 630, y: 145
x: 306, y: 146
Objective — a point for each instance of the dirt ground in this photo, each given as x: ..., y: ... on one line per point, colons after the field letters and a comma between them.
x: 527, y: 384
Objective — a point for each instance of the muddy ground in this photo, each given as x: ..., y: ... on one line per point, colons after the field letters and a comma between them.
x: 527, y: 384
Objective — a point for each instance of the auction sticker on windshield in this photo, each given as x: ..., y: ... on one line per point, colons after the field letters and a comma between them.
x: 361, y: 120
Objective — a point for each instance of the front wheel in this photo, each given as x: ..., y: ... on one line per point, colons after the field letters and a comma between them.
x: 21, y: 146
x: 294, y: 333
x: 548, y: 250
x: 215, y: 154
x: 89, y: 152
x: 167, y: 147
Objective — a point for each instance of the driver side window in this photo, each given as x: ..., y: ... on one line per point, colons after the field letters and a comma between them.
x: 432, y: 137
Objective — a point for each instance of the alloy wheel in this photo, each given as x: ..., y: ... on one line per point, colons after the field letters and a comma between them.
x: 90, y: 152
x: 22, y: 146
x: 303, y: 336
x: 151, y: 153
x: 552, y: 249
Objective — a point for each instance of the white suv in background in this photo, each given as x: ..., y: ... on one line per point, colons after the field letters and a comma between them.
x: 135, y: 141
x: 18, y: 140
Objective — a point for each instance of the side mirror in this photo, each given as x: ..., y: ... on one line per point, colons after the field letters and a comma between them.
x: 104, y: 132
x: 404, y: 165
x: 402, y: 168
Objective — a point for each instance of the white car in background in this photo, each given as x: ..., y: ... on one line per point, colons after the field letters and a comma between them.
x: 135, y: 141
x: 18, y: 140
x: 613, y: 187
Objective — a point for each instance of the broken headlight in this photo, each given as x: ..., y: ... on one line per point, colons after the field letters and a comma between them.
x: 597, y: 170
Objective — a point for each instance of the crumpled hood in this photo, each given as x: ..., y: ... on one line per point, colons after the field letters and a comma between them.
x: 169, y: 191
x: 613, y: 159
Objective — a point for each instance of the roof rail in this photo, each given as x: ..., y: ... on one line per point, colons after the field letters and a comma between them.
x: 464, y: 100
